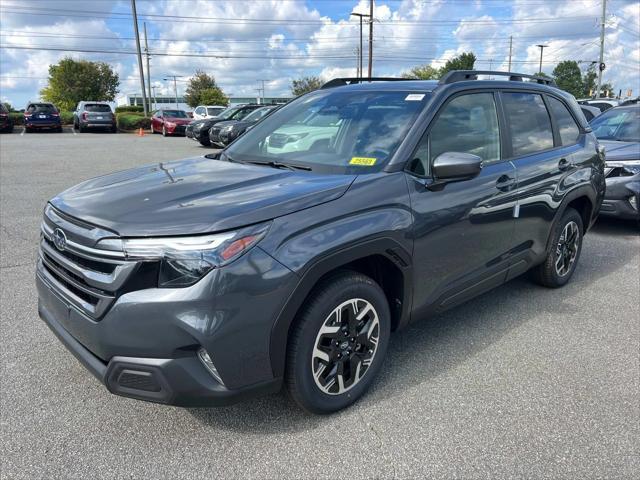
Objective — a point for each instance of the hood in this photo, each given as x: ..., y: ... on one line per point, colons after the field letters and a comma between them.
x: 221, y: 125
x: 196, y: 195
x: 178, y: 121
x: 620, y: 151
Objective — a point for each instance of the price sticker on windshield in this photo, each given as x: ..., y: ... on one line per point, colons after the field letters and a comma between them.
x: 364, y: 161
x: 414, y: 97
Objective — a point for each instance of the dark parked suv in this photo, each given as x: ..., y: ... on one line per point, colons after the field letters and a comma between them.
x: 292, y: 255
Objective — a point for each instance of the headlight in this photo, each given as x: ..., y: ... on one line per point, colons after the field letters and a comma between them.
x: 170, y: 124
x: 226, y: 129
x: 185, y: 260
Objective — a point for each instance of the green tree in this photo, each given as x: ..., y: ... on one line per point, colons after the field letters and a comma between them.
x: 464, y: 61
x: 71, y: 81
x: 8, y: 106
x: 568, y: 77
x: 203, y: 90
x: 305, y: 85
x: 422, y: 72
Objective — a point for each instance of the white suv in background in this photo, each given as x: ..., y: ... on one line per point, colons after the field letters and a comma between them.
x: 207, y: 111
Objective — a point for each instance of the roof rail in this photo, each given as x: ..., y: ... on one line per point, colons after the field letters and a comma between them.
x: 339, y: 82
x: 462, y: 75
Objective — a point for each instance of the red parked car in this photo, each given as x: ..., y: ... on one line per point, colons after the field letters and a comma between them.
x: 170, y: 122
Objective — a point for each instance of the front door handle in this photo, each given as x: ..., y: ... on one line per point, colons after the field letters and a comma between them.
x: 564, y: 164
x: 505, y: 182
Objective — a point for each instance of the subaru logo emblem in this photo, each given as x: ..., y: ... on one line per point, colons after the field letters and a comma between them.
x: 59, y: 239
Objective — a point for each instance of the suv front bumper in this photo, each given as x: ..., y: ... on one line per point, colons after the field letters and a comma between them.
x: 146, y: 345
x: 175, y: 381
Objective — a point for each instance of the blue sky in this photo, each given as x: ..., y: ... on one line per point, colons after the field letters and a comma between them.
x: 241, y: 42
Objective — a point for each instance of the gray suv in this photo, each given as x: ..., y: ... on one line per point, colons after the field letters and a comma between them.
x: 94, y: 115
x: 291, y: 256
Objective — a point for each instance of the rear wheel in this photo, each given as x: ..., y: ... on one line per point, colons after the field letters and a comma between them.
x: 564, y: 251
x: 338, y: 344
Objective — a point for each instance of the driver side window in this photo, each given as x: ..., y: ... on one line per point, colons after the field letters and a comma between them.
x: 468, y: 124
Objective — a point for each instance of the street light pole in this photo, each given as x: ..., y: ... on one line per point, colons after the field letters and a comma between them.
x: 542, y: 47
x: 135, y: 29
x: 175, y: 86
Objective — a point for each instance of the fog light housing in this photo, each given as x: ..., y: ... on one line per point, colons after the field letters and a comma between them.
x: 208, y: 363
x: 633, y: 200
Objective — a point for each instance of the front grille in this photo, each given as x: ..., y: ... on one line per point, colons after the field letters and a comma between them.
x: 89, y: 278
x: 214, y: 134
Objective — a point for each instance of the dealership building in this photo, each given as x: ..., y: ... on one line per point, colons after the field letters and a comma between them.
x: 170, y: 101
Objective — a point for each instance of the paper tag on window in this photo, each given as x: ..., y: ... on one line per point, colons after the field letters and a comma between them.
x: 364, y: 161
x: 414, y: 97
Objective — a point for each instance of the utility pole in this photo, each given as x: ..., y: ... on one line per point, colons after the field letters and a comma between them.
x: 510, y: 51
x: 601, y: 65
x: 361, y: 16
x: 370, y: 38
x: 542, y: 47
x: 175, y: 86
x: 135, y: 28
x: 146, y: 50
x: 263, y: 92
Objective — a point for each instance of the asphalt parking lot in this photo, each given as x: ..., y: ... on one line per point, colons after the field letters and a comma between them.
x: 523, y: 382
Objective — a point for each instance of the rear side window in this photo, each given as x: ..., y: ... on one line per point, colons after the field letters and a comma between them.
x: 528, y: 122
x: 569, y: 131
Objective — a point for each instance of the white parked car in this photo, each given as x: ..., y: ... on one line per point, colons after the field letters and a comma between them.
x: 207, y: 111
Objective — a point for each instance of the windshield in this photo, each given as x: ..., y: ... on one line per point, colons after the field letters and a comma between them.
x: 257, y: 114
x: 97, y: 107
x: 345, y: 130
x: 213, y: 111
x: 620, y: 124
x: 175, y: 114
x: 227, y: 113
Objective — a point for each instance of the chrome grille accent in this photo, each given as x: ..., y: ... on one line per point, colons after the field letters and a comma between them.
x: 88, y: 277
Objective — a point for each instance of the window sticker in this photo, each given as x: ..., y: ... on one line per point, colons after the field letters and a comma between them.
x: 364, y: 161
x: 414, y: 97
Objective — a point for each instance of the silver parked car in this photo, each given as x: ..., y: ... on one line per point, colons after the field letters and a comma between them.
x: 94, y: 115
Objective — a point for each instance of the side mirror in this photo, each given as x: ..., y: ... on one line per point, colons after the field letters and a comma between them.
x: 452, y: 166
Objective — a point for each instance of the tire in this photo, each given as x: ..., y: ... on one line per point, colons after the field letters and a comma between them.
x: 164, y: 131
x: 59, y: 129
x: 347, y: 292
x: 562, y: 254
x: 205, y: 142
x: 81, y: 129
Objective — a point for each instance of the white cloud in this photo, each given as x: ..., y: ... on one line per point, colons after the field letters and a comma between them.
x: 299, y: 40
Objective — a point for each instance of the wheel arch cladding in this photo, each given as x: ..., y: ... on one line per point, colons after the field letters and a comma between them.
x: 383, y: 259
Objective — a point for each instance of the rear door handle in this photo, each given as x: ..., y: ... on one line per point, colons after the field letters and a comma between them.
x: 505, y: 182
x: 564, y: 164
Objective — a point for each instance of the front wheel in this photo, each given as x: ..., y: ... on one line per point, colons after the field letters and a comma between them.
x: 164, y: 131
x: 563, y: 253
x: 338, y: 344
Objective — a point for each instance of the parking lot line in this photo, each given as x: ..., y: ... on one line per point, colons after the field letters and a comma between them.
x: 23, y: 130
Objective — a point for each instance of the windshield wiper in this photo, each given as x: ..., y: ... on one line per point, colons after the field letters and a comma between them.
x: 289, y: 166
